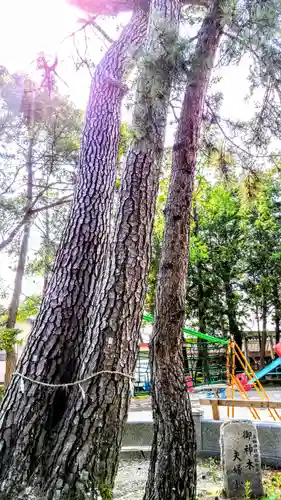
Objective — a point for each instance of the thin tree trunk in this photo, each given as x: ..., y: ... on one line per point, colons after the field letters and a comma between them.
x: 11, y: 355
x: 277, y: 327
x: 90, y: 435
x: 258, y: 324
x: 231, y: 313
x: 277, y: 312
x: 264, y: 332
x: 203, y: 361
x: 46, y: 243
x: 202, y: 345
x: 54, y: 350
x: 172, y: 472
x: 185, y: 356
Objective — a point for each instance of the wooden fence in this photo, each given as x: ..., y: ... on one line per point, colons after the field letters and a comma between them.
x: 234, y: 403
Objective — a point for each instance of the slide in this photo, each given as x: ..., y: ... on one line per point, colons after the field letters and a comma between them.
x: 268, y: 368
x: 203, y: 336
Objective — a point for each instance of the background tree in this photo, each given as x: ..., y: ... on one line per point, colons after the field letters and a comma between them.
x: 261, y: 223
x: 45, y: 152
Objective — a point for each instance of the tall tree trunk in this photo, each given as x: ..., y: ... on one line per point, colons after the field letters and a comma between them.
x: 11, y: 355
x: 258, y: 324
x: 202, y: 345
x: 54, y: 350
x: 203, y: 362
x: 264, y: 332
x: 277, y: 319
x: 172, y: 472
x: 277, y: 311
x: 46, y: 243
x: 231, y: 312
x: 113, y: 342
x: 185, y: 356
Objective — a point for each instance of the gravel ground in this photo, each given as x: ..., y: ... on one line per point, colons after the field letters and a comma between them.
x: 132, y: 474
x: 144, y: 403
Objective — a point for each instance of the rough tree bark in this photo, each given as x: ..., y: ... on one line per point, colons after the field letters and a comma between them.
x: 172, y: 472
x: 85, y: 458
x: 32, y: 424
x: 54, y: 351
x: 11, y: 356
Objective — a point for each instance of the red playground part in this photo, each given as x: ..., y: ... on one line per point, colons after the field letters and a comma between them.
x: 243, y: 379
x: 189, y: 383
x: 277, y: 349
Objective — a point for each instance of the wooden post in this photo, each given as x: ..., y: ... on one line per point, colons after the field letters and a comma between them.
x: 215, y: 409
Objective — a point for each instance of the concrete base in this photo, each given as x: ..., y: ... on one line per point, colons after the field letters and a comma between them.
x: 138, y: 437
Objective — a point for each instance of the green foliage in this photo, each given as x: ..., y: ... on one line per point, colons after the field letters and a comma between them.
x: 248, y: 490
x: 9, y: 338
x: 125, y: 138
x: 235, y: 257
x: 216, y: 244
x: 213, y: 469
x: 106, y: 493
x: 52, y: 149
x: 273, y: 487
x: 29, y: 308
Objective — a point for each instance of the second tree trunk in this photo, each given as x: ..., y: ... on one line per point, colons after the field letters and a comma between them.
x: 172, y: 472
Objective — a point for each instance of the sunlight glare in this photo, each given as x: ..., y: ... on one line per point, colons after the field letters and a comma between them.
x: 29, y: 27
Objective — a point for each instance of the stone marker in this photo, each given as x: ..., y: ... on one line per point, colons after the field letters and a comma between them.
x: 240, y: 456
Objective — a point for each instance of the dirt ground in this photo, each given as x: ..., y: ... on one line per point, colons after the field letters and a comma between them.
x: 132, y: 474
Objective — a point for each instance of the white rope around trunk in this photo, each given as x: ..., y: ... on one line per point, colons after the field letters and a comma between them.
x: 72, y: 384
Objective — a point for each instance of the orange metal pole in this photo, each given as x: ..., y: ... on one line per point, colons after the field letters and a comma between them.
x: 259, y: 384
x: 250, y: 373
x: 245, y: 396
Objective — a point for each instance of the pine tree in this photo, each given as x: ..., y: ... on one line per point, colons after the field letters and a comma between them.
x: 172, y: 472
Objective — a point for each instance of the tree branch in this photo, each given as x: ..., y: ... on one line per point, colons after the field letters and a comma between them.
x: 102, y: 32
x: 248, y: 153
x: 14, y: 232
x: 61, y: 201
x: 29, y: 213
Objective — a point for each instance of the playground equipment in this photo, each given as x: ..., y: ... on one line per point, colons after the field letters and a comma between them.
x: 269, y: 368
x: 234, y: 353
x: 218, y: 376
x: 205, y: 360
